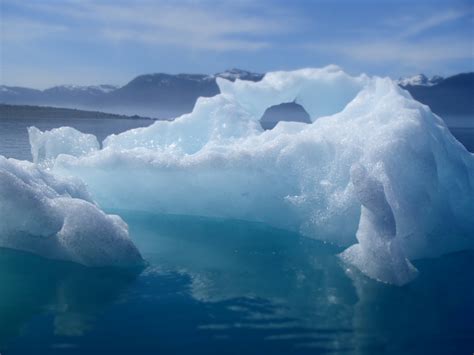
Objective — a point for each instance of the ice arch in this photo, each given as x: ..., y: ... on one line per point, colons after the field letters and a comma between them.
x: 236, y: 112
x: 217, y: 161
x: 321, y: 92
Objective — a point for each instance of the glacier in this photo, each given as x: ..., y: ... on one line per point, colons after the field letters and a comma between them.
x: 376, y: 171
x: 56, y: 218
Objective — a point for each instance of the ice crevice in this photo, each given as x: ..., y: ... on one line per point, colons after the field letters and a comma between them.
x: 376, y: 171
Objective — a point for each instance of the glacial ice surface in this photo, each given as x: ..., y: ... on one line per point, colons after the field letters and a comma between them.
x: 48, y: 145
x: 55, y: 218
x: 376, y: 170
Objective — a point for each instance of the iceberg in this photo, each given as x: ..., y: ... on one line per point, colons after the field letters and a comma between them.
x: 375, y: 171
x: 56, y: 218
x: 48, y: 145
x: 377, y: 253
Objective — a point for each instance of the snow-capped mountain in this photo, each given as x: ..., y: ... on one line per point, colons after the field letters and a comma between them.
x: 162, y: 95
x: 92, y: 89
x: 234, y: 74
x: 452, y: 96
x: 63, y: 95
x: 7, y: 92
x: 420, y: 80
x: 158, y: 95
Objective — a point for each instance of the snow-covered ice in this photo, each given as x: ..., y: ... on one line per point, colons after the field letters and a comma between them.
x: 378, y: 253
x: 376, y: 169
x: 56, y: 218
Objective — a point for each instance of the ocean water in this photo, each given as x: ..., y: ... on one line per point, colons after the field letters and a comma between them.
x: 216, y: 286
x: 462, y: 127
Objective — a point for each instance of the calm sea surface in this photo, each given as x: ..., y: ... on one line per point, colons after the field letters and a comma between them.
x: 215, y: 286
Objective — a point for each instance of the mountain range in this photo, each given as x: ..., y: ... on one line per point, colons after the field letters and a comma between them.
x: 452, y: 96
x: 420, y: 80
x: 157, y: 95
x: 165, y: 96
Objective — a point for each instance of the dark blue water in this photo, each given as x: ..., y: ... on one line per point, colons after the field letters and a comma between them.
x: 231, y: 287
x: 214, y: 286
x: 462, y: 127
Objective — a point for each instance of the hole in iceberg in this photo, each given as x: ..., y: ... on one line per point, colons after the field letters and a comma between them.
x: 288, y: 111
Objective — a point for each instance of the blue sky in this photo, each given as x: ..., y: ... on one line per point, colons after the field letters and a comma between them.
x: 50, y: 42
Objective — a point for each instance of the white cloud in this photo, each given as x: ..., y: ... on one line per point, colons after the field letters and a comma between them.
x: 192, y: 24
x: 407, y: 39
x: 418, y: 26
x: 178, y: 39
x: 405, y: 42
x: 21, y: 29
x: 42, y: 77
x: 414, y: 53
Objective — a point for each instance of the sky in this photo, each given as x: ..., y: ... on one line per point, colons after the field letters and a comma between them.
x: 88, y: 42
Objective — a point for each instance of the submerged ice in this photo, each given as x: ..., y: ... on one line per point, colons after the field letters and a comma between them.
x: 56, y: 218
x: 376, y: 171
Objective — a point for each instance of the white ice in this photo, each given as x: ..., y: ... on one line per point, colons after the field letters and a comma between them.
x: 56, y: 218
x: 46, y: 146
x: 410, y: 195
x: 378, y: 253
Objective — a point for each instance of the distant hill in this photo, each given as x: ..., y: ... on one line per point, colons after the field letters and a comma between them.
x: 161, y: 95
x: 166, y: 96
x: 450, y: 96
x: 70, y: 96
x: 41, y: 112
x: 157, y: 95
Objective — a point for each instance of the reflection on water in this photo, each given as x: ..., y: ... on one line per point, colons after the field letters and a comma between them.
x: 231, y: 287
x: 228, y: 259
x: 73, y: 295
